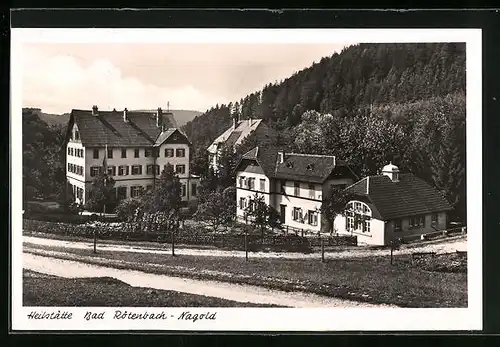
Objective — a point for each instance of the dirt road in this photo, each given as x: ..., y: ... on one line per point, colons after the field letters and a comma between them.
x: 236, y: 292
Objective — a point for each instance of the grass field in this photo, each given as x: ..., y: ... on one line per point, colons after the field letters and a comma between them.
x: 370, y: 279
x: 45, y: 290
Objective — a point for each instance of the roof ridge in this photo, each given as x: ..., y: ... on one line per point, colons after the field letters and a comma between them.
x: 311, y: 155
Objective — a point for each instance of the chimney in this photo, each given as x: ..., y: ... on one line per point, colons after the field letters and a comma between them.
x: 159, y: 118
x: 94, y: 110
x: 367, y: 185
x: 281, y: 156
x: 125, y: 116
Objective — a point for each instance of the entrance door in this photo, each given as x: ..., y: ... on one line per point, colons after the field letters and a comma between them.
x: 282, y: 213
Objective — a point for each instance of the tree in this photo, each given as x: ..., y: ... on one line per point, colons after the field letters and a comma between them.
x: 273, y: 219
x: 165, y: 195
x: 101, y: 194
x: 126, y: 208
x: 258, y: 210
x: 216, y: 209
x: 335, y: 204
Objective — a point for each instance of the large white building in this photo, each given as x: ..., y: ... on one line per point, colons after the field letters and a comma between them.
x: 294, y: 184
x: 235, y: 135
x: 137, y: 147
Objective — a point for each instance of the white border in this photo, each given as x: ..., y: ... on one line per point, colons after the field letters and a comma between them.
x: 264, y: 319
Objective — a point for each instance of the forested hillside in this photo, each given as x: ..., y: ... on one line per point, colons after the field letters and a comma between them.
x: 43, y: 163
x: 369, y: 104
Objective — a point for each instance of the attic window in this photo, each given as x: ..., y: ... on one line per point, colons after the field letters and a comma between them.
x: 289, y: 164
x: 310, y: 166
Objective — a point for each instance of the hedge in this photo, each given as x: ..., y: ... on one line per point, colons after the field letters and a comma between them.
x: 187, y: 236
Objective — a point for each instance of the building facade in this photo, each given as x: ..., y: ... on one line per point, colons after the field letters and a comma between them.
x: 391, y: 206
x: 134, y: 146
x: 235, y: 135
x: 293, y: 184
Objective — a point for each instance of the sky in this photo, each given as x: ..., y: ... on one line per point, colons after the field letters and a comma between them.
x: 60, y: 77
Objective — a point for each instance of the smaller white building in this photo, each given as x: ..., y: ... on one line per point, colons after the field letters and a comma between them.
x: 390, y: 206
x: 235, y: 135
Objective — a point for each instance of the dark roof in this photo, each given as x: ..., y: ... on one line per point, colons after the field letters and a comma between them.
x: 231, y: 140
x: 409, y: 196
x: 109, y: 128
x: 297, y: 167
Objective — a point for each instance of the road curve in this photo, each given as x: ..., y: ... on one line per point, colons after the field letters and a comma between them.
x: 230, y: 291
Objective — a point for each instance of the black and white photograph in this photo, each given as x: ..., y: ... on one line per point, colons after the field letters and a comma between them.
x: 175, y: 182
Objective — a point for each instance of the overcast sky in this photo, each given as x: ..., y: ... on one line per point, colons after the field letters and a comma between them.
x: 60, y: 77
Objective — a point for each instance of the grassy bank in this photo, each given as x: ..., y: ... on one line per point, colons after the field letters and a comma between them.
x: 45, y: 290
x: 370, y: 279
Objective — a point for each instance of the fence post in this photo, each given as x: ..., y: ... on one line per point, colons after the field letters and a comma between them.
x: 322, y: 251
x: 173, y: 243
x: 246, y: 247
x: 95, y: 240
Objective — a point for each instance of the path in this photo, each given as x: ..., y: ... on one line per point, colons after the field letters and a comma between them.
x: 448, y: 247
x: 235, y: 292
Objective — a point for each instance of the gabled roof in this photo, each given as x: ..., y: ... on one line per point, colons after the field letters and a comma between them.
x: 409, y: 196
x: 108, y: 127
x: 169, y: 133
x: 296, y: 166
x: 234, y: 136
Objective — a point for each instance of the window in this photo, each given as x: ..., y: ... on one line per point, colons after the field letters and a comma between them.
x: 169, y: 152
x: 262, y: 184
x: 148, y: 152
x: 311, y: 191
x: 297, y: 214
x: 121, y: 193
x: 397, y: 225
x: 357, y: 206
x: 180, y: 152
x: 296, y: 190
x: 183, y: 190
x: 77, y: 135
x: 94, y: 171
x: 149, y: 169
x: 157, y: 170
x: 136, y: 153
x: 312, y: 217
x: 242, y: 203
x: 416, y: 222
x: 123, y: 170
x: 193, y: 189
x: 242, y: 181
x: 69, y: 150
x: 96, y: 153
x: 180, y: 169
x: 136, y: 169
x: 124, y: 152
x: 434, y: 219
x: 110, y: 153
x: 69, y: 167
x: 350, y: 223
x: 366, y: 226
x: 112, y: 170
x: 83, y: 153
x: 251, y: 183
x: 135, y: 191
